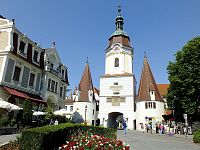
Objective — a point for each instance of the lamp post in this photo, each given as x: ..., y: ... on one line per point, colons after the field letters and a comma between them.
x: 85, y: 114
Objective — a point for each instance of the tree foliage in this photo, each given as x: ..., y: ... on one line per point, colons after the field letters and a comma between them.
x: 27, y: 113
x: 49, y: 114
x: 184, y: 76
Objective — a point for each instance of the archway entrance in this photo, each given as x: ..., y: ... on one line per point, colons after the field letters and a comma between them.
x: 114, y: 120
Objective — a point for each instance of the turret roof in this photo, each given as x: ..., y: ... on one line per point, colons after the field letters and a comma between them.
x: 85, y: 84
x: 147, y: 84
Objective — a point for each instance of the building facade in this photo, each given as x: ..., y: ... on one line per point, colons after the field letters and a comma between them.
x: 117, y: 86
x: 118, y: 97
x: 83, y: 104
x: 149, y: 103
x: 22, y: 67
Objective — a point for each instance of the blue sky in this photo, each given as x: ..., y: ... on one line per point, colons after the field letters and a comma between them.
x: 81, y: 28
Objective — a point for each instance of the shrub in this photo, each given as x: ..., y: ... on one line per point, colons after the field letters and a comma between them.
x: 196, y: 126
x: 196, y: 137
x: 52, y: 136
x: 4, y: 120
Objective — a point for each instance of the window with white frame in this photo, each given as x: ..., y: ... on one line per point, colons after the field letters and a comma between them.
x: 63, y: 73
x: 31, y: 79
x: 16, y: 74
x: 116, y: 62
x: 56, y: 87
x: 22, y: 47
x: 71, y: 108
x: 35, y: 56
x: 150, y: 105
x: 52, y: 85
x: 49, y: 84
x: 61, y: 91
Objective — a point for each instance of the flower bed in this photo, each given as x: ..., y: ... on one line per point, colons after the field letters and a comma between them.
x: 88, y: 141
x: 52, y: 136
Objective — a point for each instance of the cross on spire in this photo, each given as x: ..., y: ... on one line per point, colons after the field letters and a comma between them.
x: 119, y: 9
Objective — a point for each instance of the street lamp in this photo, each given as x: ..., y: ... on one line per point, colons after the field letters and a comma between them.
x: 85, y: 114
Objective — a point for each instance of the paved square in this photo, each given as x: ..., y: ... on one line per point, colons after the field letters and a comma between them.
x: 144, y: 141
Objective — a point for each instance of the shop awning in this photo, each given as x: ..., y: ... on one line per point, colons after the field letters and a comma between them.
x: 25, y: 95
x: 36, y: 98
x: 15, y: 92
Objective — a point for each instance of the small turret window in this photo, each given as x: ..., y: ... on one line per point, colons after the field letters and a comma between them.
x: 116, y: 62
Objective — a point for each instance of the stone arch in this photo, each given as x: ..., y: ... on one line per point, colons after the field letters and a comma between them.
x: 112, y: 120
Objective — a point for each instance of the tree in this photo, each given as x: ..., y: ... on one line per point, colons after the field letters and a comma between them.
x: 49, y: 114
x: 27, y: 113
x: 184, y: 76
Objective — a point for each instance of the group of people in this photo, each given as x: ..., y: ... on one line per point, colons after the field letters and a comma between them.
x: 164, y: 128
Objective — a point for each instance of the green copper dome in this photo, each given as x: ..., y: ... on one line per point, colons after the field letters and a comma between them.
x: 119, y: 32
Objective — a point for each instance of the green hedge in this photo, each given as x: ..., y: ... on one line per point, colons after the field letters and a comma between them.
x: 196, y: 137
x: 52, y: 136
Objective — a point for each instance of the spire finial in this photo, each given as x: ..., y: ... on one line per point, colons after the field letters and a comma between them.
x: 119, y: 20
x: 119, y: 9
x: 145, y: 54
x: 87, y: 60
x: 53, y: 44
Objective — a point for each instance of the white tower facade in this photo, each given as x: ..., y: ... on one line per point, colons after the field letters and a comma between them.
x: 150, y: 104
x: 117, y: 86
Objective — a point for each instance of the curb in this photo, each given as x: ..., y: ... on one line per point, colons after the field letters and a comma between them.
x: 1, y: 145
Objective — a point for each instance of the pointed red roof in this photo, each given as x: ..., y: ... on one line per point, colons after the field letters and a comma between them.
x: 147, y: 84
x: 85, y: 84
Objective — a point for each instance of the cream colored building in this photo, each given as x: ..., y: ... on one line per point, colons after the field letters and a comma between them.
x: 23, y: 72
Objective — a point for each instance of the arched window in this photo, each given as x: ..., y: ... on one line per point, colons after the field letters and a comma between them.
x: 116, y: 62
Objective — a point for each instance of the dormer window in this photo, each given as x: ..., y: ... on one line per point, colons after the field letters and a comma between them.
x: 35, y: 56
x: 63, y: 73
x: 52, y: 65
x: 116, y: 62
x: 22, y: 47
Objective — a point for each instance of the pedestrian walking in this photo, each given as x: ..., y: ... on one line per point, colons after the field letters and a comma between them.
x: 124, y: 126
x: 179, y: 130
x: 185, y: 130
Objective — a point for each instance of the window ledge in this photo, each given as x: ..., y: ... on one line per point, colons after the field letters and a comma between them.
x: 36, y: 62
x: 23, y: 54
x: 16, y: 82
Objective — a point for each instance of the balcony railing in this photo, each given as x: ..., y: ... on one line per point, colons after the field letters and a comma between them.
x: 57, y: 73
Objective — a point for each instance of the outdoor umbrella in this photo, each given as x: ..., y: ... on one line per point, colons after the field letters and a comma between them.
x: 8, y: 106
x: 37, y: 113
x: 61, y: 112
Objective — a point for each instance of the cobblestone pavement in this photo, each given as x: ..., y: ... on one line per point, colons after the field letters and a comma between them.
x: 145, y: 141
